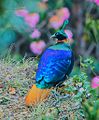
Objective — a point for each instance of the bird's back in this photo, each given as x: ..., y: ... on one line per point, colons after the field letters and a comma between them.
x: 55, y: 63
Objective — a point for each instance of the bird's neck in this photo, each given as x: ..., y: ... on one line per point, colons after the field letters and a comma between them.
x: 61, y: 46
x: 62, y: 41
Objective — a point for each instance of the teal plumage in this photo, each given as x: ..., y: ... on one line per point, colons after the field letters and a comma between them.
x: 55, y: 64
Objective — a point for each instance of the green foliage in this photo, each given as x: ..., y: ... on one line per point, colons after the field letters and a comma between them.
x: 68, y: 3
x: 92, y: 110
x: 59, y: 3
x: 66, y: 104
x: 96, y: 64
x: 80, y: 87
x: 80, y: 83
x: 19, y: 25
x: 92, y: 29
x: 30, y: 5
x: 45, y: 112
x: 7, y: 36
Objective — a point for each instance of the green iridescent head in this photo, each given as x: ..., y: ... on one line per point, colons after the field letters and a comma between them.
x: 61, y: 35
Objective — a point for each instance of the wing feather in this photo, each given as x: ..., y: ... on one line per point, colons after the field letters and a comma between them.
x: 53, y: 67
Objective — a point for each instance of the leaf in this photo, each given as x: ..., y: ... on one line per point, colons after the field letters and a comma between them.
x: 12, y: 5
x: 19, y: 24
x: 7, y: 37
x: 4, y: 100
x: 31, y: 5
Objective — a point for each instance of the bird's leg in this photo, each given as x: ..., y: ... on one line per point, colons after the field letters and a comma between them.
x: 67, y: 77
x: 59, y: 84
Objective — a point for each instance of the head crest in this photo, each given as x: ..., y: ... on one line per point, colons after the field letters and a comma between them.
x: 64, y: 24
x: 61, y: 35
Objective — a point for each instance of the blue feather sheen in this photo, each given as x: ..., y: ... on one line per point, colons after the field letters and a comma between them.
x: 54, y: 65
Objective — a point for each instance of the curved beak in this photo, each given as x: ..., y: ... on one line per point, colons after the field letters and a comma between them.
x: 53, y: 36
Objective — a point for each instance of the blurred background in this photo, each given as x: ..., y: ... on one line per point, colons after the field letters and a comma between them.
x: 25, y: 30
x: 26, y: 27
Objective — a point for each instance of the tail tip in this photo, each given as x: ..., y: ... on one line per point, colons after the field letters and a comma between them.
x: 36, y: 95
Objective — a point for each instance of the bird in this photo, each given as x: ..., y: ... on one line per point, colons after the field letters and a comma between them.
x: 54, y: 67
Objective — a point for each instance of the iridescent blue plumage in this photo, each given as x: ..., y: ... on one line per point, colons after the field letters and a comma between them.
x: 55, y: 64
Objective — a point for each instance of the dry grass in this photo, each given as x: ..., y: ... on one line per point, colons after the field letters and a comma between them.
x: 15, y: 80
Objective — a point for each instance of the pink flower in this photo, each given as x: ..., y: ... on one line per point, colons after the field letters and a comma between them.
x: 37, y: 47
x: 57, y: 20
x: 69, y: 34
x: 97, y: 2
x: 35, y: 34
x: 32, y: 19
x: 63, y: 13
x: 95, y: 82
x: 21, y: 12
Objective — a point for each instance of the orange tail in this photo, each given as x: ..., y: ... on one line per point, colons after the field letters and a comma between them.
x: 36, y: 95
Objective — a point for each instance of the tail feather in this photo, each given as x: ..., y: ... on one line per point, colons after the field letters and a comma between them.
x: 36, y: 95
